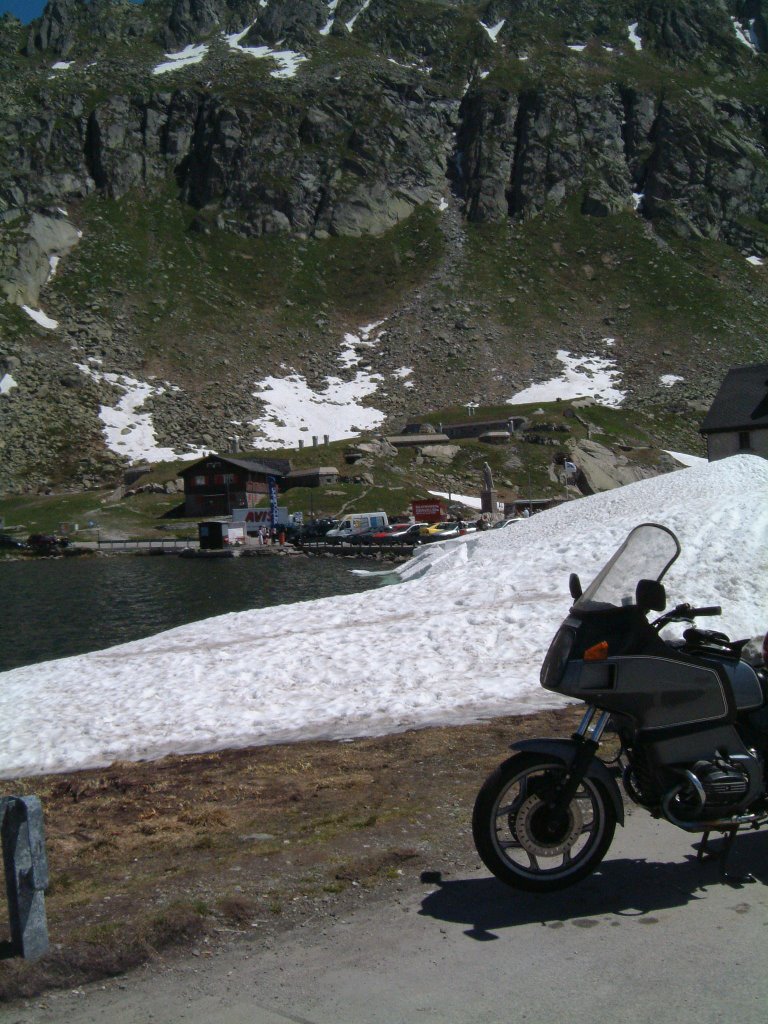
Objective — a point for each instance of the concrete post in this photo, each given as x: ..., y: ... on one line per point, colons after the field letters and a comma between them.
x: 26, y: 875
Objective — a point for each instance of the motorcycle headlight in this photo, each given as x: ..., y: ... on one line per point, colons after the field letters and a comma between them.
x: 553, y: 669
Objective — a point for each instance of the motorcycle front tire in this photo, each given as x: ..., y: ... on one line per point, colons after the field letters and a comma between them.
x: 527, y: 846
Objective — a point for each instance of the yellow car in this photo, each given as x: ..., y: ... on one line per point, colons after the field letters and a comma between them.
x: 441, y: 531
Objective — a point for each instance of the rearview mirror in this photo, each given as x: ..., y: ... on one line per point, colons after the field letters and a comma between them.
x: 574, y: 585
x: 650, y: 595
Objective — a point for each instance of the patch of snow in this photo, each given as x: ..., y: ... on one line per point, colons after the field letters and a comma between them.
x: 669, y: 379
x: 287, y: 60
x: 466, y: 611
x: 367, y: 338
x: 443, y: 204
x: 6, y: 383
x: 326, y: 29
x: 294, y: 410
x: 637, y: 199
x: 634, y: 38
x: 459, y: 499
x: 403, y: 372
x: 53, y: 263
x: 350, y: 24
x: 756, y: 261
x: 591, y: 377
x: 493, y: 30
x: 189, y: 55
x: 578, y: 47
x: 129, y: 431
x: 41, y: 318
x: 687, y: 460
x: 746, y: 34
x: 62, y: 65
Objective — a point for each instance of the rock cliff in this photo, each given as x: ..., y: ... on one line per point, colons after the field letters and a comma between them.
x: 459, y: 143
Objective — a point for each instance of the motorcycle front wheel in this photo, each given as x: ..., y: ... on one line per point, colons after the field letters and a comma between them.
x: 526, y: 844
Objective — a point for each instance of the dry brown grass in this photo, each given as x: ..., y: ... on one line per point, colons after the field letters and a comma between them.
x: 147, y: 857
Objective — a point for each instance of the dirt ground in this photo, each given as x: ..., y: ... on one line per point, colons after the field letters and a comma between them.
x: 185, y: 852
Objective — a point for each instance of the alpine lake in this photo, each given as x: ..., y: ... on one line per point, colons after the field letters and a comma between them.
x: 56, y: 607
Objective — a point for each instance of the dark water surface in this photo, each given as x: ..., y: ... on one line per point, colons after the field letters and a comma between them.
x: 56, y: 607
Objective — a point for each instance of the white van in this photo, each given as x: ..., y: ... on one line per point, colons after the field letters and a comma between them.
x: 354, y: 524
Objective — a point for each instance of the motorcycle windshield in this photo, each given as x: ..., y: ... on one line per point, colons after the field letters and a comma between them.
x: 646, y: 554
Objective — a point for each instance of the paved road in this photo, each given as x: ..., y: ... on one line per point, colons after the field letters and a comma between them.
x: 653, y: 938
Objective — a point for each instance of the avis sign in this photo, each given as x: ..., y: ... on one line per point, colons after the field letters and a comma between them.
x: 428, y: 510
x: 256, y: 517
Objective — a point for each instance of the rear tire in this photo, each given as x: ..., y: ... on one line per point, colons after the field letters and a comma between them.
x: 523, y: 843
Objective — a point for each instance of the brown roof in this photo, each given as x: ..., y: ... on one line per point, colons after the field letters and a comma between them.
x: 269, y: 467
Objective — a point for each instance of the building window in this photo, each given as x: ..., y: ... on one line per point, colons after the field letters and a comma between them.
x: 199, y: 481
x: 744, y: 441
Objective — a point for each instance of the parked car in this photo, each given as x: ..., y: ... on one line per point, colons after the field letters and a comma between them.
x: 7, y: 541
x: 402, y: 533
x: 356, y: 523
x: 443, y: 531
x: 502, y: 523
x: 46, y: 543
x: 365, y: 536
x: 314, y: 530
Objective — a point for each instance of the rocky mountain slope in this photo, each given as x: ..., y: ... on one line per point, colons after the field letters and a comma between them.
x: 387, y: 206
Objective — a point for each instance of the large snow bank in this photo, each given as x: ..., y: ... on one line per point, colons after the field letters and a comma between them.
x: 462, y: 636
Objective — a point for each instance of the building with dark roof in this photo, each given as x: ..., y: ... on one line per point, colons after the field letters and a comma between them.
x: 215, y: 485
x: 737, y: 421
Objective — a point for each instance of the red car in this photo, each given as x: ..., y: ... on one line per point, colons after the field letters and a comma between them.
x: 398, y: 533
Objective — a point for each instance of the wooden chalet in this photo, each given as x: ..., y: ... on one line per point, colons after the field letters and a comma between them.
x: 219, y: 483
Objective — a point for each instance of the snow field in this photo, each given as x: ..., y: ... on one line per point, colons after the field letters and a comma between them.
x: 461, y: 636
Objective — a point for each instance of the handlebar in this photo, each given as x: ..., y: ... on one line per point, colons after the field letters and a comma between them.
x: 686, y: 613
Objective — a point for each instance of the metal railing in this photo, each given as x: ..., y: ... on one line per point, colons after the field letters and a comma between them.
x: 162, y: 543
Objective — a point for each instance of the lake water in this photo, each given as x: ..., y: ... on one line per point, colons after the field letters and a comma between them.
x: 52, y: 608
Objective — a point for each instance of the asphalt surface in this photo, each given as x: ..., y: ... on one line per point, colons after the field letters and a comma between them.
x: 654, y: 937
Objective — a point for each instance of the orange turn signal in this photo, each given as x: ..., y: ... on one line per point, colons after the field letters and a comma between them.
x: 598, y: 652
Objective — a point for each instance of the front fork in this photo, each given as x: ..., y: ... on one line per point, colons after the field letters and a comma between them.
x: 587, y: 740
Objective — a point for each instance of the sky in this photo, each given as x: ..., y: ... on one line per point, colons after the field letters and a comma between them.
x: 24, y: 10
x: 458, y: 635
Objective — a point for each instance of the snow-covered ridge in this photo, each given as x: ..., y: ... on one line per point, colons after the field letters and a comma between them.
x: 461, y: 638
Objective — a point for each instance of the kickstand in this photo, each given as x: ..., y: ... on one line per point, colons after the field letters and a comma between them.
x: 704, y: 853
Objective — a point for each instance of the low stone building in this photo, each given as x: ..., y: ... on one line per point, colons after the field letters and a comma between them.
x: 737, y: 421
x: 416, y: 440
x: 318, y: 476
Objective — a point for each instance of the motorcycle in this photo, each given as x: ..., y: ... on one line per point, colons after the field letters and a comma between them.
x: 689, y: 717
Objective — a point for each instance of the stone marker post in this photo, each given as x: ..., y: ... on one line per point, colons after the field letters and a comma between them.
x: 26, y: 875
x: 488, y: 496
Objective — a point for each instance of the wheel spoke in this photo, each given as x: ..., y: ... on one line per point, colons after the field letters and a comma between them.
x: 502, y: 812
x: 510, y: 844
